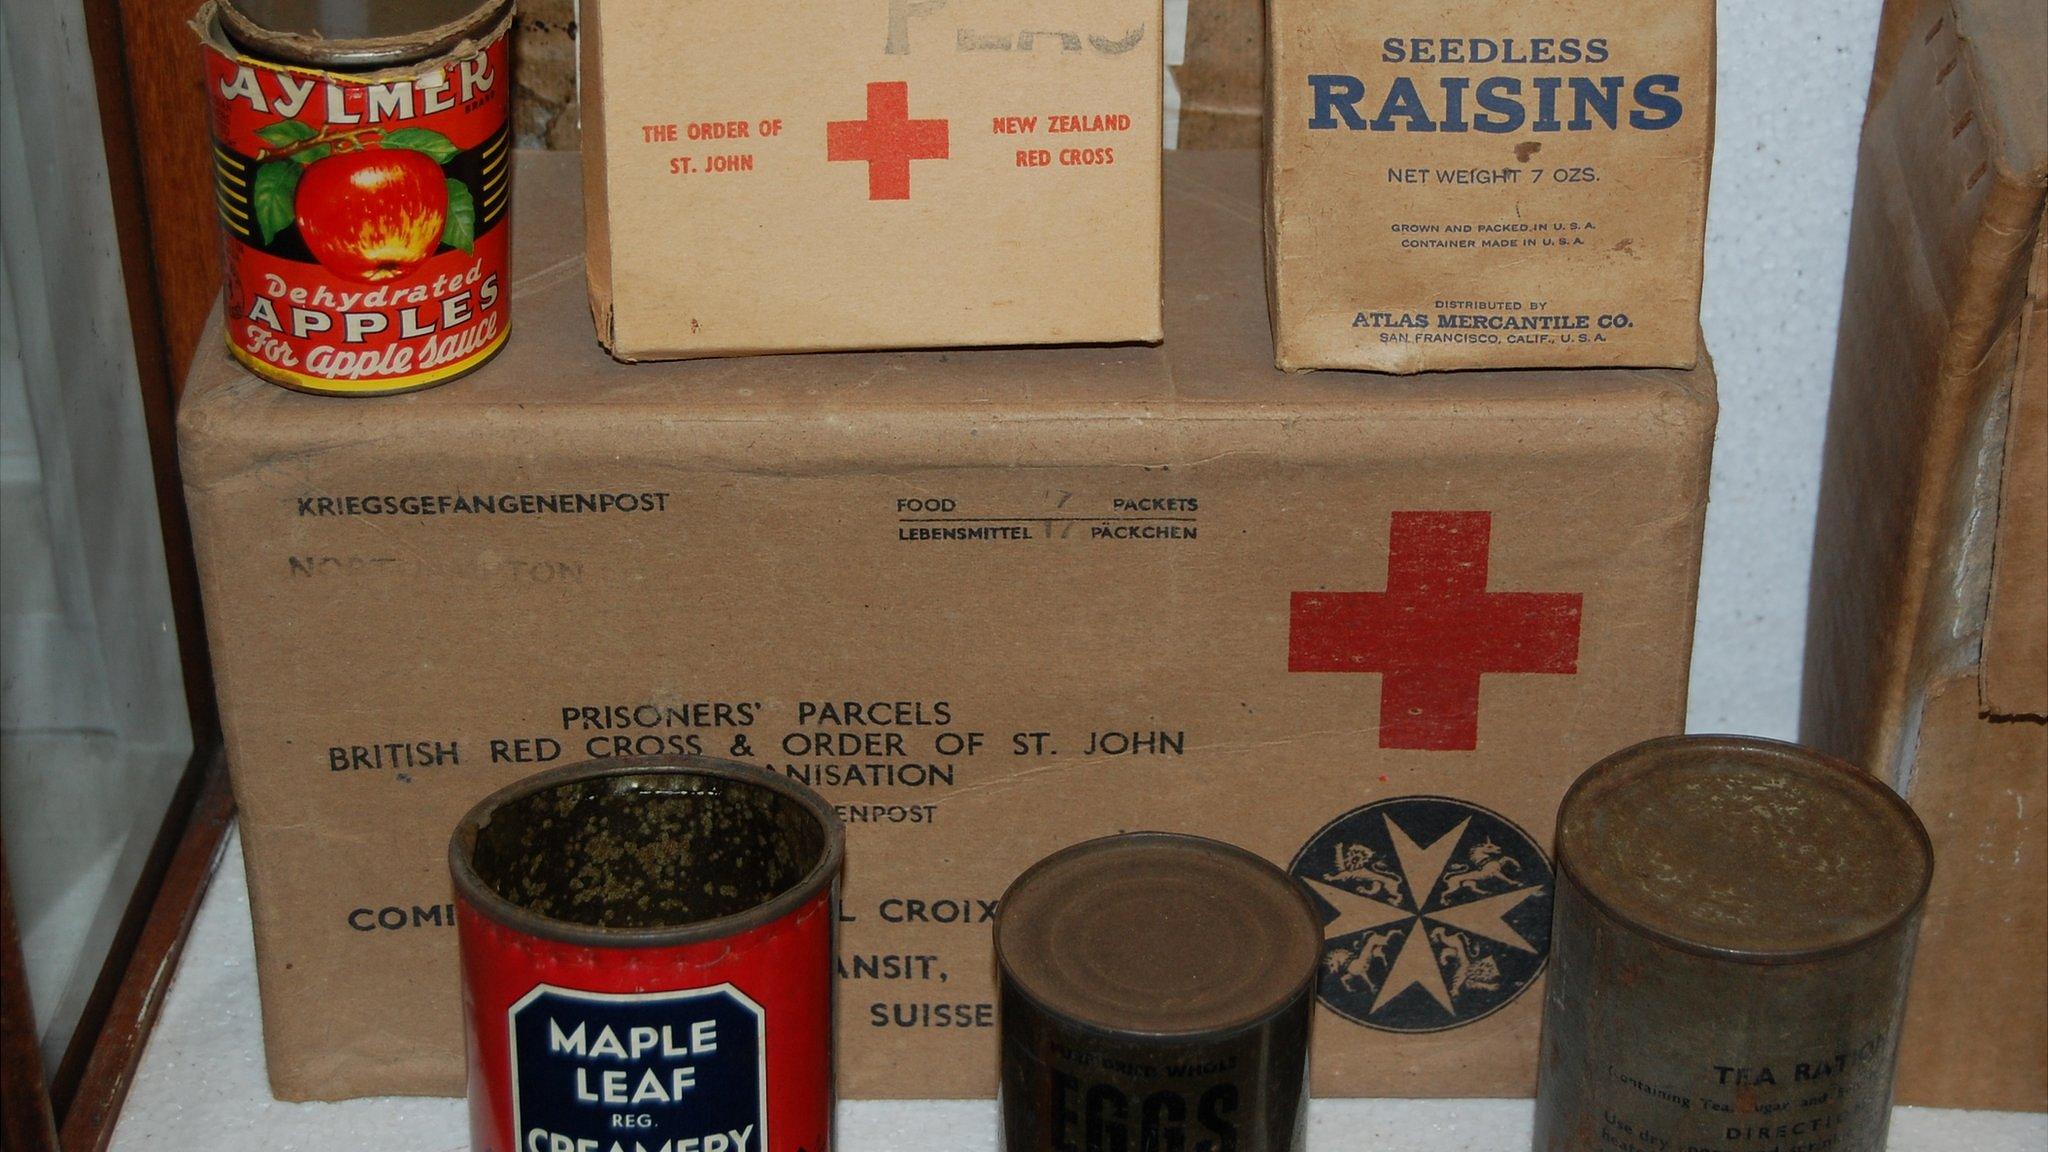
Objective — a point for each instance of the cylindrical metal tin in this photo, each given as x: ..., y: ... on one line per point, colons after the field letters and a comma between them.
x: 647, y: 959
x: 1156, y: 993
x: 1734, y: 931
x: 363, y: 177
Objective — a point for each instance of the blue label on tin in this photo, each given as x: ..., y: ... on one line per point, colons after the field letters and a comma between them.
x: 649, y: 1072
x: 1437, y: 912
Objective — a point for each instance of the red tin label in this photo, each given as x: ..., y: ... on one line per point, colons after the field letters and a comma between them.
x: 366, y: 217
x: 719, y: 1046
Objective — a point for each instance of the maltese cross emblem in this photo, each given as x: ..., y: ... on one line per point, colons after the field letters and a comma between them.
x: 1437, y: 912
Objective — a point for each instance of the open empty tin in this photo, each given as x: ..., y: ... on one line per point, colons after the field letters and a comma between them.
x: 647, y: 956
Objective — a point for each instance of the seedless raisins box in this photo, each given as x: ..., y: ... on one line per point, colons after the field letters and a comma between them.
x: 991, y: 603
x: 824, y: 174
x: 1487, y: 185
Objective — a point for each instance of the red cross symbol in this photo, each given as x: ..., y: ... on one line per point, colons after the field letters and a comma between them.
x: 888, y: 140
x: 1435, y: 631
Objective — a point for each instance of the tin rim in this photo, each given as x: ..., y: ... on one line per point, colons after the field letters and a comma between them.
x: 472, y: 889
x: 1263, y: 1015
x: 362, y: 54
x: 1751, y: 748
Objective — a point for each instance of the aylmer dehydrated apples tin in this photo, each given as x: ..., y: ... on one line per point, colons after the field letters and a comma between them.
x: 363, y: 179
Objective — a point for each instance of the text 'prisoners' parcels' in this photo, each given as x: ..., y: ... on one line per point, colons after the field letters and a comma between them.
x: 807, y: 175
x: 1487, y: 185
x: 990, y: 604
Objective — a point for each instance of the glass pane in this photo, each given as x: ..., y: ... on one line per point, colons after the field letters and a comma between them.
x: 93, y: 729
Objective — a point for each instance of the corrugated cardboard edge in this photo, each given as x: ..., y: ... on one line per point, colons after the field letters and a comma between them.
x: 2016, y: 629
x: 597, y: 219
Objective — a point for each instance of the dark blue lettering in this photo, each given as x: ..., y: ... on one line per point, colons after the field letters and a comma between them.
x: 1454, y: 103
x: 1493, y: 96
x: 1546, y: 104
x: 1405, y: 102
x: 1604, y: 100
x: 1657, y: 94
x: 1337, y: 96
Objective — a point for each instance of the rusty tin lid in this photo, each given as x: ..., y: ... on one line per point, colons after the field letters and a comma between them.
x: 357, y: 36
x: 1157, y: 935
x: 1744, y: 849
x: 646, y: 852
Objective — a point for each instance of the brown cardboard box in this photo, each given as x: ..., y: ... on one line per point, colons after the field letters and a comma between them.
x: 995, y: 602
x: 1222, y: 76
x: 1487, y: 185
x: 1928, y: 647
x: 814, y: 175
x: 544, y: 59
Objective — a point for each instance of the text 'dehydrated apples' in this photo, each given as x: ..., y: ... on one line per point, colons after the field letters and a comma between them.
x: 365, y: 212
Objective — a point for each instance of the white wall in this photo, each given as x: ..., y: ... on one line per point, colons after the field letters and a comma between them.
x: 1792, y: 87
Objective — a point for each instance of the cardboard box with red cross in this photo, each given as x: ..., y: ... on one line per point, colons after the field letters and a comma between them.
x: 991, y: 603
x: 809, y: 175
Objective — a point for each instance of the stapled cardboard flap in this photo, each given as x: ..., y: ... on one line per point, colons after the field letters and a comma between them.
x: 1949, y: 202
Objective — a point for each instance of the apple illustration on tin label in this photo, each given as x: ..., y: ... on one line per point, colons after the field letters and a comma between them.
x: 371, y: 206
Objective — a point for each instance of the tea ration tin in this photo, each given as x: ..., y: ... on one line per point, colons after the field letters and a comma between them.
x: 647, y: 959
x: 1156, y: 993
x: 1735, y: 926
x: 362, y: 169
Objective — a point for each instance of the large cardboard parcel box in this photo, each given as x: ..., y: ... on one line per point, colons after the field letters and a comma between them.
x: 819, y: 174
x: 1928, y: 644
x: 1487, y: 185
x: 992, y: 603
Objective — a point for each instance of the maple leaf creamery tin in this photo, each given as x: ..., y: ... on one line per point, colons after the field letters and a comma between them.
x: 363, y: 180
x: 647, y: 951
x: 1735, y: 926
x: 1156, y: 993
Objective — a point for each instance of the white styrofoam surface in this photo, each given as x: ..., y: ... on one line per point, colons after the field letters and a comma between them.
x: 202, y: 1089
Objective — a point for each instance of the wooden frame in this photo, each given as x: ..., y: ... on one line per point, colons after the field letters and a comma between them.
x: 153, y: 120
x: 133, y: 984
x: 26, y: 1122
